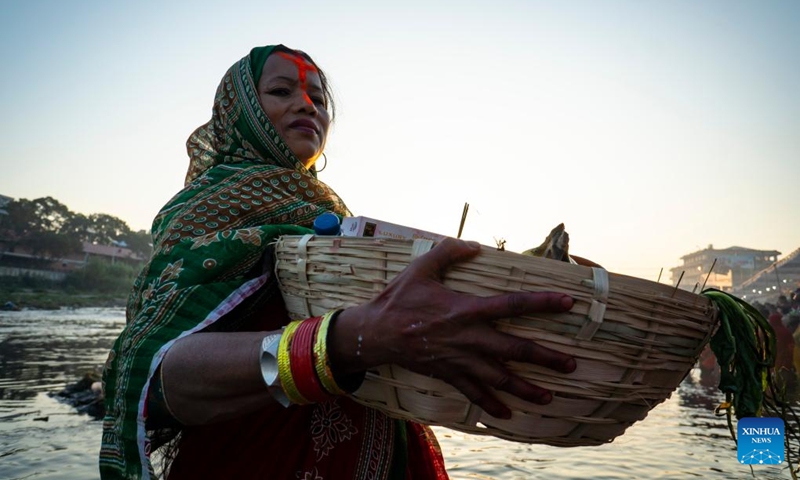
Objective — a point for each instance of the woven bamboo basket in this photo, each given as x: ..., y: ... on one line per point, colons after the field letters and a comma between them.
x: 634, y: 340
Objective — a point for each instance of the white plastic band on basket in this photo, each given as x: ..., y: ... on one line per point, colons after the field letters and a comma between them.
x: 598, y: 307
x: 302, y: 266
x: 302, y: 259
x: 420, y: 247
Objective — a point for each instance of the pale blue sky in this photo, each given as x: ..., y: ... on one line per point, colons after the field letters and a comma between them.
x: 652, y: 129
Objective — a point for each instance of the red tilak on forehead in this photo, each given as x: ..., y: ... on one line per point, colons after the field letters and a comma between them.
x: 303, y: 67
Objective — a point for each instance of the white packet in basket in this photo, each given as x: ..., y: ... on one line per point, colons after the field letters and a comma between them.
x: 370, y: 227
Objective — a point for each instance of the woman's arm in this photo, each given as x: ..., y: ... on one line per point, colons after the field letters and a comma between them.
x: 209, y: 377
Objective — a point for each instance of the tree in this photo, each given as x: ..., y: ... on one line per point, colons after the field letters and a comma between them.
x: 28, y: 217
x: 21, y: 220
x: 106, y: 229
x: 79, y: 227
x: 51, y: 214
x: 39, y: 224
x: 48, y: 226
x: 140, y: 243
x: 52, y: 245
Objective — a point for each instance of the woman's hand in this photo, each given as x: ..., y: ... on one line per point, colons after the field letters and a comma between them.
x: 419, y: 324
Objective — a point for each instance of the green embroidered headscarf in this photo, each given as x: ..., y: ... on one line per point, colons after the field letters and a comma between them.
x: 244, y: 188
x: 239, y: 130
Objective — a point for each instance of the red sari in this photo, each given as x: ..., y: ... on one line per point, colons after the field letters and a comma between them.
x: 334, y: 440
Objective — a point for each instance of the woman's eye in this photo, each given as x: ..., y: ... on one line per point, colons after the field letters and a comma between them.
x: 318, y: 101
x: 279, y: 92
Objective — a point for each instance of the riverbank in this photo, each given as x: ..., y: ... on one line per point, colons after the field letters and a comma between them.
x: 56, y: 299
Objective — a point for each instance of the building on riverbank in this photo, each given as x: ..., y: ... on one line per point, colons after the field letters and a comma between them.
x: 731, y: 267
x: 780, y: 278
x: 755, y: 275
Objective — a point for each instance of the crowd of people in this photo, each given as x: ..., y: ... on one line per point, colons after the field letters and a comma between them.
x: 784, y: 317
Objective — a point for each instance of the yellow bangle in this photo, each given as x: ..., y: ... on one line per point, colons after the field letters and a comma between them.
x: 321, y: 362
x: 284, y: 366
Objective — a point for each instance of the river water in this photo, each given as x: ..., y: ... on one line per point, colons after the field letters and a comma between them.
x: 41, y: 438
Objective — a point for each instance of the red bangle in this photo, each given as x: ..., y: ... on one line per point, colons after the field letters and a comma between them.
x: 302, y: 362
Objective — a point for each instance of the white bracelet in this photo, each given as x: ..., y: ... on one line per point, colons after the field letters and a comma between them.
x: 269, y: 368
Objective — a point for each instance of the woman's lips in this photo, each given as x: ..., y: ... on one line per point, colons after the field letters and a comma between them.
x: 304, y: 126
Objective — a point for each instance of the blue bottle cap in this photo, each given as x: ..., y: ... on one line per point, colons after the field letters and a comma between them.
x: 326, y: 224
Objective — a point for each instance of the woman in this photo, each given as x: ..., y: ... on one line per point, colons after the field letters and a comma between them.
x: 205, y: 311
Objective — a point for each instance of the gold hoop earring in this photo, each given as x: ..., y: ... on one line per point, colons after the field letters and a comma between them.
x: 326, y: 163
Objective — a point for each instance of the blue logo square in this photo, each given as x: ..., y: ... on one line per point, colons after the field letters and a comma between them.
x: 760, y: 441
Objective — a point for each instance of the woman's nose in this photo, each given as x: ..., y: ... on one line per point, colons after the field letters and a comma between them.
x: 303, y: 103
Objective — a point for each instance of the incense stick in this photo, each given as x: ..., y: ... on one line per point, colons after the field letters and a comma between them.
x: 709, y: 274
x: 678, y: 284
x: 463, y: 219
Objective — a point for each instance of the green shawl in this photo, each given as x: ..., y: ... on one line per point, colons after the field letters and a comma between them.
x: 244, y: 188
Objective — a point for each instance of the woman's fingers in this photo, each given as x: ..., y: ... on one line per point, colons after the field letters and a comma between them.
x: 480, y: 396
x: 500, y: 378
x: 508, y: 347
x: 444, y: 255
x: 515, y: 305
x: 483, y: 374
x: 416, y: 318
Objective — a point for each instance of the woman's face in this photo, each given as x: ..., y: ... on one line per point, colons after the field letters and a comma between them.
x: 290, y: 92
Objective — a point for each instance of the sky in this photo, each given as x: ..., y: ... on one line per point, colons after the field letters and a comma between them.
x: 651, y: 129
